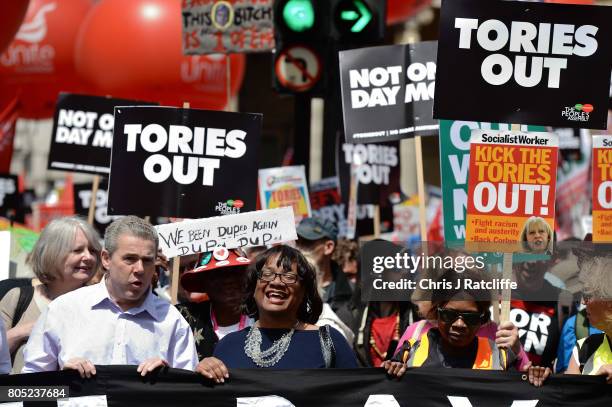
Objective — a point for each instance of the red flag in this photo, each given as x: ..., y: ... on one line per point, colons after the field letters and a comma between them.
x: 8, y: 120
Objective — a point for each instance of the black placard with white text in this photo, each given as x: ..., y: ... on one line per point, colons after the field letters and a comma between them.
x: 527, y: 63
x: 186, y: 163
x: 387, y: 92
x: 82, y: 202
x: 378, y: 173
x: 83, y: 133
x: 9, y: 194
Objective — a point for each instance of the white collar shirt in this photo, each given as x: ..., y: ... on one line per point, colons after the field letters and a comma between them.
x: 87, y: 323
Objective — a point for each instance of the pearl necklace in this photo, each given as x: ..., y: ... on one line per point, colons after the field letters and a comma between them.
x: 270, y: 356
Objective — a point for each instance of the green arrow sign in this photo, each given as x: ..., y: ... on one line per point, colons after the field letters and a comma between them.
x: 362, y: 16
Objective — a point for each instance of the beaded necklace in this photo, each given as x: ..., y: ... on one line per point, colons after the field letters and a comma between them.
x: 270, y: 356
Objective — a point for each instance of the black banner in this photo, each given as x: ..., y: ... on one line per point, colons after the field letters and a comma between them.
x: 121, y: 386
x: 186, y: 163
x: 387, y: 92
x: 528, y: 63
x: 9, y: 194
x: 82, y: 201
x: 83, y: 133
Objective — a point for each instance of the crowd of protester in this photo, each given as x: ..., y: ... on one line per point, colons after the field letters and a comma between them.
x: 282, y: 307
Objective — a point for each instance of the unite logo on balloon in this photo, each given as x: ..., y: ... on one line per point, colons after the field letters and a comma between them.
x: 30, y: 52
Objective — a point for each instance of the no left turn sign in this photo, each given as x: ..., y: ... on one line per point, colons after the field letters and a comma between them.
x: 298, y: 68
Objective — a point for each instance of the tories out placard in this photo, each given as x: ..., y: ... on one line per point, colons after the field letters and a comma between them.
x: 387, y: 92
x: 377, y: 171
x: 602, y: 188
x: 82, y: 135
x: 82, y: 203
x: 511, y: 191
x: 535, y: 63
x: 220, y: 26
x: 285, y: 186
x: 187, y: 163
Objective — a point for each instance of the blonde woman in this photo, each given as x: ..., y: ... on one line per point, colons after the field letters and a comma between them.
x: 65, y: 257
x: 537, y: 236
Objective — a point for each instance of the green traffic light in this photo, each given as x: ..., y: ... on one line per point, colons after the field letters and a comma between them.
x: 299, y: 15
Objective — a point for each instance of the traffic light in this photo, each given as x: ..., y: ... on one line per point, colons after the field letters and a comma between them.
x: 358, y: 22
x: 302, y: 45
x: 309, y: 33
x: 298, y: 15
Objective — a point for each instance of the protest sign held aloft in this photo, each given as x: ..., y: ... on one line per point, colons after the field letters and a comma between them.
x: 387, y: 92
x: 186, y: 163
x: 377, y: 172
x: 602, y: 188
x: 511, y: 191
x: 257, y: 228
x: 82, y: 201
x: 285, y: 186
x: 9, y: 194
x: 326, y: 203
x: 83, y: 133
x: 544, y: 64
x: 454, y: 164
x: 215, y: 26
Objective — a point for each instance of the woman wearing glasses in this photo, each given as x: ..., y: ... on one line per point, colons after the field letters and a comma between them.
x: 454, y: 343
x: 281, y: 295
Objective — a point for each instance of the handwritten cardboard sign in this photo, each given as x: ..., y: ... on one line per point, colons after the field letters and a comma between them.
x: 257, y: 228
x: 220, y: 26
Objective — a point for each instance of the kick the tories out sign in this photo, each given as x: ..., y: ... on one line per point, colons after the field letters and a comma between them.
x: 528, y: 63
x: 187, y: 163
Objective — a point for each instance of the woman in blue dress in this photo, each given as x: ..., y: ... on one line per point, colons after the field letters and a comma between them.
x: 281, y: 295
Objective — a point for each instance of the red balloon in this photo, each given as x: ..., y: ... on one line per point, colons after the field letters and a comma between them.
x: 13, y: 13
x: 133, y: 49
x: 399, y: 11
x: 39, y: 63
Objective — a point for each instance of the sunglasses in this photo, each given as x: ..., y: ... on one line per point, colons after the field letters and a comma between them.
x: 470, y: 318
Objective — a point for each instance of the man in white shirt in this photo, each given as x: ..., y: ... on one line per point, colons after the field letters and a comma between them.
x: 117, y: 321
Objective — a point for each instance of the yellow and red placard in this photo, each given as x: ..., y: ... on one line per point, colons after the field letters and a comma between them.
x: 285, y: 186
x: 511, y: 191
x: 602, y: 188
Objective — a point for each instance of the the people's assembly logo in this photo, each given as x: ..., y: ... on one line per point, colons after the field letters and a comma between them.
x: 577, y: 113
x: 229, y: 207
